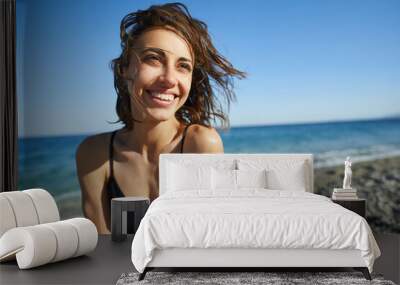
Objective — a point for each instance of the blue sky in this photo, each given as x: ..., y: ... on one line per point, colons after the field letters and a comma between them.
x: 307, y: 61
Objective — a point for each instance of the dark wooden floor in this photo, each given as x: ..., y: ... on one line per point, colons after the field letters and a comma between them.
x: 110, y: 260
x: 389, y: 262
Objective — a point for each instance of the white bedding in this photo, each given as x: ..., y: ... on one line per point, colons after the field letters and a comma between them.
x: 250, y: 218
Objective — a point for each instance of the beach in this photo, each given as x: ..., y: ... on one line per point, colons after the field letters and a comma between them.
x: 378, y: 181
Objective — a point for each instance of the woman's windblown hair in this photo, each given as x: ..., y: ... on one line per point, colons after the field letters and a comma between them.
x: 212, y: 80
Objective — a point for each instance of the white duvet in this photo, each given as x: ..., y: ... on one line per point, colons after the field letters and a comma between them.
x: 250, y: 219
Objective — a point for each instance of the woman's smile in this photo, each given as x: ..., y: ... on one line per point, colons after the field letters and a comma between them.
x: 161, y: 99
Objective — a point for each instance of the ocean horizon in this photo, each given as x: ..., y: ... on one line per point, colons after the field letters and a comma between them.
x: 49, y: 161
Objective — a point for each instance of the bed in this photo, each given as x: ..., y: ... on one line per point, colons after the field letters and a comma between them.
x: 247, y: 210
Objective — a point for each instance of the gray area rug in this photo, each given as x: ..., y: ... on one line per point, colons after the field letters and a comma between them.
x: 230, y: 278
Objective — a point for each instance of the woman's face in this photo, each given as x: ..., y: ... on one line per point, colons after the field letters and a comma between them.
x: 163, y: 76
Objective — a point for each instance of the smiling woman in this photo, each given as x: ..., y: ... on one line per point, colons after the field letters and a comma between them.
x: 164, y: 81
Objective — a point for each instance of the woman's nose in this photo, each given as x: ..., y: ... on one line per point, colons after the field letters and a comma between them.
x: 168, y: 77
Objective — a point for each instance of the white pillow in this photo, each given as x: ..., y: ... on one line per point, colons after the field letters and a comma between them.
x: 285, y: 174
x: 251, y: 178
x: 292, y: 178
x: 223, y: 179
x: 223, y: 164
x: 181, y: 177
x: 227, y: 179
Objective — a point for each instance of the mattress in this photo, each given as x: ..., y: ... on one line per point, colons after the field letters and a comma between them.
x: 251, y: 219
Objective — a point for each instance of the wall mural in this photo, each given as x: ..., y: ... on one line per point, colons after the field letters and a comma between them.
x: 318, y: 80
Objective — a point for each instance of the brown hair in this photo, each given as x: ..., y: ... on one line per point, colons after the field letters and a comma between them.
x: 210, y: 67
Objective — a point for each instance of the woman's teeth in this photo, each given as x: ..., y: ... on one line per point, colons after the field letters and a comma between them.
x: 163, y: 97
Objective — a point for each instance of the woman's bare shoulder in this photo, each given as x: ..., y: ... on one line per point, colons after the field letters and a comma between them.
x: 92, y: 153
x: 202, y: 139
x: 94, y: 145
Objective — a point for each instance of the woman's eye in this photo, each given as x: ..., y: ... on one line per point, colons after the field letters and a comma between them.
x: 152, y: 58
x: 186, y: 66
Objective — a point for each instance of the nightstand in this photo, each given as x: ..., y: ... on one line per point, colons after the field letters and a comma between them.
x: 358, y: 206
x: 126, y: 214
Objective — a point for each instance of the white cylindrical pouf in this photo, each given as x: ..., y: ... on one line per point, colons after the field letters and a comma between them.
x: 45, y: 205
x: 40, y: 244
x: 67, y: 239
x: 34, y: 246
x: 7, y: 218
x: 23, y: 208
x: 87, y: 234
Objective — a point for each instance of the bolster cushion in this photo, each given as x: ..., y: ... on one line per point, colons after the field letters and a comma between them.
x: 40, y: 244
x: 26, y: 208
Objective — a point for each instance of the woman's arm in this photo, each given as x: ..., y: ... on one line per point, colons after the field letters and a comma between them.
x: 201, y: 139
x: 91, y: 164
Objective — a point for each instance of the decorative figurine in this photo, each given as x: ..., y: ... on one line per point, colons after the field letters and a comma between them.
x: 347, y: 174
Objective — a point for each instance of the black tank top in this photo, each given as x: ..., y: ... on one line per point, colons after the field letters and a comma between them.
x: 113, y: 189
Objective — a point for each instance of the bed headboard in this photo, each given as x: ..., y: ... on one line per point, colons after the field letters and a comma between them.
x: 191, y: 159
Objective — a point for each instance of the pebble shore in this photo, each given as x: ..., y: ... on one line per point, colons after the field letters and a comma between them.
x: 377, y: 181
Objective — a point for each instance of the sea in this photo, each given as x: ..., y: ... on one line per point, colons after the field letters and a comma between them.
x: 49, y: 162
